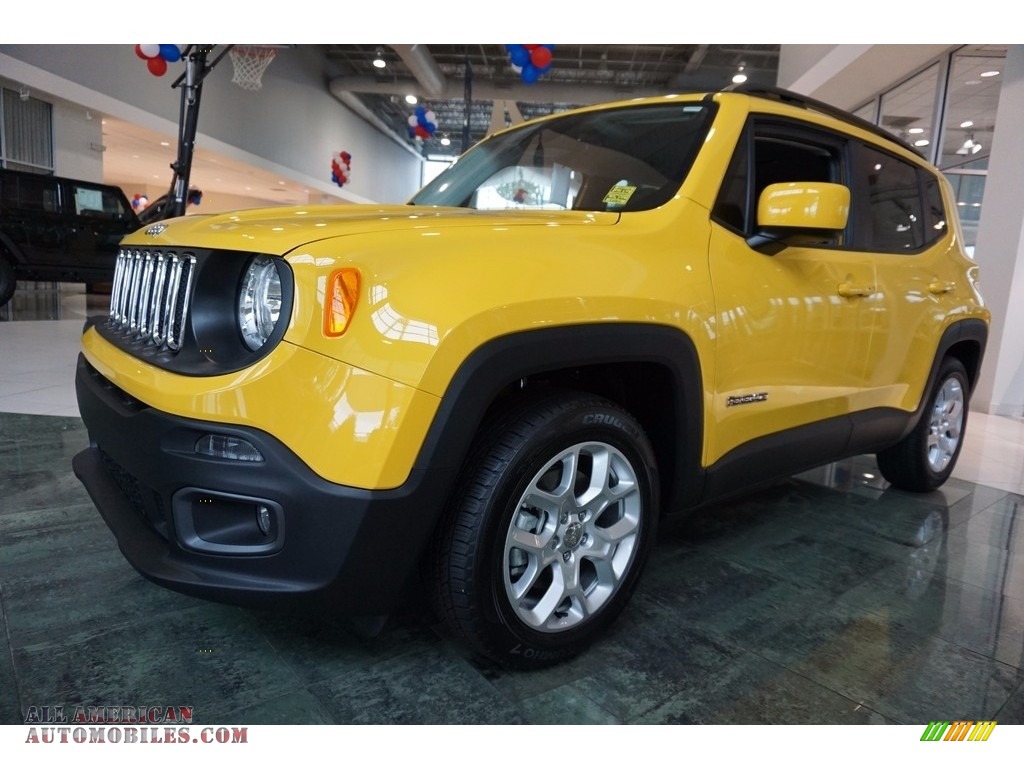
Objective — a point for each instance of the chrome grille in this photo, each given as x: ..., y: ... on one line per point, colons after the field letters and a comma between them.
x: 150, y: 296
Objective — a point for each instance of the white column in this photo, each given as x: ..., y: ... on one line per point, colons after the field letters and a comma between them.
x: 1000, y: 251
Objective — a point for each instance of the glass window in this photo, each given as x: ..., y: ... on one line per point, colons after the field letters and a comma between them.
x: 908, y: 110
x: 782, y: 152
x: 887, y: 201
x: 26, y: 133
x: 626, y: 159
x: 974, y: 83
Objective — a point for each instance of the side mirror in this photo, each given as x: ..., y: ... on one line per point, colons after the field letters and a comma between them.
x: 796, y: 211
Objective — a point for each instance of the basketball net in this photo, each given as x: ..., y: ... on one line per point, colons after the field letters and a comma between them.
x: 250, y: 61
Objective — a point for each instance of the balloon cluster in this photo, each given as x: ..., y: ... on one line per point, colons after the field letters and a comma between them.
x: 341, y: 167
x: 530, y: 61
x: 157, y: 56
x: 139, y: 202
x: 422, y: 124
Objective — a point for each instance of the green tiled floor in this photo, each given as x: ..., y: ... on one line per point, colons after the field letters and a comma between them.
x: 826, y: 598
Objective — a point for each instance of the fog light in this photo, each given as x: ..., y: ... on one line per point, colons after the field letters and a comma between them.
x: 227, y: 447
x: 263, y: 518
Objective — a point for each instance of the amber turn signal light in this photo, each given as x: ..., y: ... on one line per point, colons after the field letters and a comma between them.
x: 340, y: 300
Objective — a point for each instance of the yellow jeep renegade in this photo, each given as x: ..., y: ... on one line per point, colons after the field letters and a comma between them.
x: 589, y: 321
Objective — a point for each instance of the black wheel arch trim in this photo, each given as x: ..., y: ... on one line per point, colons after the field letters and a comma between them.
x: 968, y: 335
x: 498, y: 364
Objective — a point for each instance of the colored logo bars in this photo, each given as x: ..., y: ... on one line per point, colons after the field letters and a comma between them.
x: 960, y: 730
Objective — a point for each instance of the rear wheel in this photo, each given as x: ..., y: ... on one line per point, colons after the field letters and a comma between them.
x: 925, y: 458
x: 548, y: 532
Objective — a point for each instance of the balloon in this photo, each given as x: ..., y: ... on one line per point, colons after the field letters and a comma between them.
x: 530, y: 74
x: 149, y: 50
x: 170, y: 52
x: 519, y: 55
x: 430, y: 116
x: 413, y: 121
x: 530, y: 47
x: 421, y: 132
x: 540, y: 57
x: 139, y: 53
x: 157, y: 66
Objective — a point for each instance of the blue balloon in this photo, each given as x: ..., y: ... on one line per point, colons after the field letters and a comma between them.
x: 170, y: 52
x: 530, y: 74
x: 431, y: 127
x: 519, y: 55
x: 421, y: 112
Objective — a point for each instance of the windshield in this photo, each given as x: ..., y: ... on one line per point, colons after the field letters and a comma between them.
x: 623, y: 159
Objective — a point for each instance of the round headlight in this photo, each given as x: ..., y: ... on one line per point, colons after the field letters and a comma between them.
x: 259, y: 302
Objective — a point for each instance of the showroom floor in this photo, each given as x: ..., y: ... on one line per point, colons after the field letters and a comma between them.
x: 826, y: 598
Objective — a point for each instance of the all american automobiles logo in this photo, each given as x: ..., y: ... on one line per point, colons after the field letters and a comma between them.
x: 958, y: 730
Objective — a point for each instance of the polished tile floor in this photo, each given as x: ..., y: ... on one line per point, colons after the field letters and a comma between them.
x: 826, y: 598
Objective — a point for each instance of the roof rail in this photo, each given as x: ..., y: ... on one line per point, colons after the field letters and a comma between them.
x: 799, y: 100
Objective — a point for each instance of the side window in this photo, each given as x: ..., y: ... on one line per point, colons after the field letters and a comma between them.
x: 31, y: 194
x: 774, y: 153
x: 889, y: 212
x: 88, y: 201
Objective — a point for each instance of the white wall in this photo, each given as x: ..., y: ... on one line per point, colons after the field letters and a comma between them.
x: 1000, y: 250
x: 296, y: 136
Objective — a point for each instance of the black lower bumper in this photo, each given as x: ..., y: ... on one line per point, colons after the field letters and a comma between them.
x: 268, y: 533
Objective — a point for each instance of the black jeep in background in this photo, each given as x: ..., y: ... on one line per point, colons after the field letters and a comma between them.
x: 59, y: 229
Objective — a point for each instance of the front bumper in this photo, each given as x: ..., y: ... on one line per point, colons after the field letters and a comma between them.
x: 190, y: 522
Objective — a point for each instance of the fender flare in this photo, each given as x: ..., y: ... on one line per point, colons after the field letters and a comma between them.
x: 498, y: 364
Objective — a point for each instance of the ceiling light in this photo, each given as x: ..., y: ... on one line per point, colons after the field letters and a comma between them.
x: 410, y: 99
x: 378, y: 60
x: 990, y: 73
x: 739, y: 77
x: 445, y: 141
x: 916, y: 130
x: 921, y: 143
x: 966, y: 123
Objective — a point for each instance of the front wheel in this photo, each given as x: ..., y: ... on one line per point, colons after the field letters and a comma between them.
x: 549, y: 530
x: 924, y: 459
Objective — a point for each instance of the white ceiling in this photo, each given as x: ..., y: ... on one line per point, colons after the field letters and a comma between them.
x: 138, y: 160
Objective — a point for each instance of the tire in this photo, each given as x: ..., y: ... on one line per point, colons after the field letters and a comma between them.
x: 7, y: 281
x: 924, y: 459
x: 528, y: 568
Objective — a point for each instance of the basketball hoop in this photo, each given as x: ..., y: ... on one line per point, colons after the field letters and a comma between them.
x: 250, y: 61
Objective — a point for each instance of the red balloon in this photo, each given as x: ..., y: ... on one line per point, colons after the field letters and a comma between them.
x: 541, y: 57
x: 531, y: 47
x: 157, y: 65
x: 421, y: 132
x: 139, y: 53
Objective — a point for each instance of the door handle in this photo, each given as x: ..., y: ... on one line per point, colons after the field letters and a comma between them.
x: 941, y: 286
x: 851, y: 291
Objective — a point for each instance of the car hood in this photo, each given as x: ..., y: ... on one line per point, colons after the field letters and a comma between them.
x: 279, y: 230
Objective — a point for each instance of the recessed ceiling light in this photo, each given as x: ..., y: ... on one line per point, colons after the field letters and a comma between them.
x: 966, y: 123
x: 379, y: 63
x: 410, y: 99
x: 990, y: 73
x: 445, y: 141
x: 916, y: 130
x: 921, y: 143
